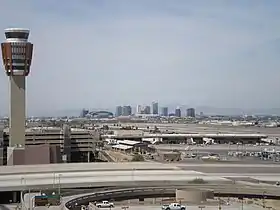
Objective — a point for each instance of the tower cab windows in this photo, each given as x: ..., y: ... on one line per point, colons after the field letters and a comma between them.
x: 16, y: 35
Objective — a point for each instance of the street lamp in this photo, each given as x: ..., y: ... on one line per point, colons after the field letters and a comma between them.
x: 59, y: 184
x: 219, y: 204
x: 22, y: 189
x: 242, y: 203
x: 24, y: 185
x: 263, y: 199
x: 53, y: 180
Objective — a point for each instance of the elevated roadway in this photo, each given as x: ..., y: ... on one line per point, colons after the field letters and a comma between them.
x: 148, y: 192
x: 78, y: 175
x: 103, y: 178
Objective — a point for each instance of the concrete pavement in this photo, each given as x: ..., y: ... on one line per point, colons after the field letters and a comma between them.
x: 101, y: 178
x: 120, y: 174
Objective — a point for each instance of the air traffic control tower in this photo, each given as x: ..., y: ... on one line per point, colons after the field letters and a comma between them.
x: 17, y: 56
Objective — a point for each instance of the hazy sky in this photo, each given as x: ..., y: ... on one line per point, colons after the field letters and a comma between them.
x: 107, y: 52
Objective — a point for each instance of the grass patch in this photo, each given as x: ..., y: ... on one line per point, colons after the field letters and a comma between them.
x: 197, y: 181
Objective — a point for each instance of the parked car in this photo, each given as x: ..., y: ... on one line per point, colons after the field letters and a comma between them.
x: 173, y: 206
x: 105, y: 204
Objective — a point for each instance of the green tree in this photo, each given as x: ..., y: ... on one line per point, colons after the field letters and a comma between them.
x: 137, y: 158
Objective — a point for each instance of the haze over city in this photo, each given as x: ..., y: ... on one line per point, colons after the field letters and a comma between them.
x: 104, y: 53
x: 159, y: 104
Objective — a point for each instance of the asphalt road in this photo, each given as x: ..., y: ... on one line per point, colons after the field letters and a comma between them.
x: 235, y: 206
x: 231, y: 168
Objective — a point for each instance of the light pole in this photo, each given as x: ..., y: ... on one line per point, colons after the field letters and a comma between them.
x: 132, y: 175
x: 59, y: 186
x: 220, y: 207
x: 29, y: 198
x: 22, y: 189
x: 53, y: 180
x: 242, y: 203
x: 263, y: 200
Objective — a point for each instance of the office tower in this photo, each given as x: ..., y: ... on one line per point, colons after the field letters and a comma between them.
x: 17, y: 56
x: 164, y: 111
x: 139, y: 109
x: 178, y: 112
x: 155, y: 108
x: 126, y: 111
x: 191, y: 112
x: 147, y: 110
x: 119, y: 111
x: 84, y: 113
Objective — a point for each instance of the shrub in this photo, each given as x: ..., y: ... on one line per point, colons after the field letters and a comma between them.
x: 197, y: 181
x: 137, y: 157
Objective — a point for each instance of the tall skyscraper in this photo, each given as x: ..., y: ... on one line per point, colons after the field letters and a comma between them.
x: 119, y: 111
x: 139, y: 109
x: 178, y: 112
x: 17, y: 56
x: 155, y: 108
x: 84, y: 113
x: 191, y: 112
x: 147, y: 110
x: 126, y: 111
x: 164, y: 111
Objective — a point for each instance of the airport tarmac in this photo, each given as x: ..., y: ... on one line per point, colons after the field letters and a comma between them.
x: 204, y: 128
x: 217, y: 148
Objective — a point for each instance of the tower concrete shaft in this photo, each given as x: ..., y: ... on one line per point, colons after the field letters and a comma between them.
x: 17, y: 111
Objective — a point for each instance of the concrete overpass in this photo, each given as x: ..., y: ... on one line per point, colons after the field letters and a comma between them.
x: 78, y: 175
x: 148, y: 192
x: 132, y: 177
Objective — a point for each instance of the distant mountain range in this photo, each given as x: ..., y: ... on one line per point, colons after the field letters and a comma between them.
x: 238, y: 111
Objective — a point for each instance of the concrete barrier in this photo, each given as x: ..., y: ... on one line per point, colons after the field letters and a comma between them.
x: 193, y: 195
x: 207, y: 191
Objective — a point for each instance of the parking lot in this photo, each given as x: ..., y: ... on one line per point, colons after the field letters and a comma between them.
x: 226, y: 152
